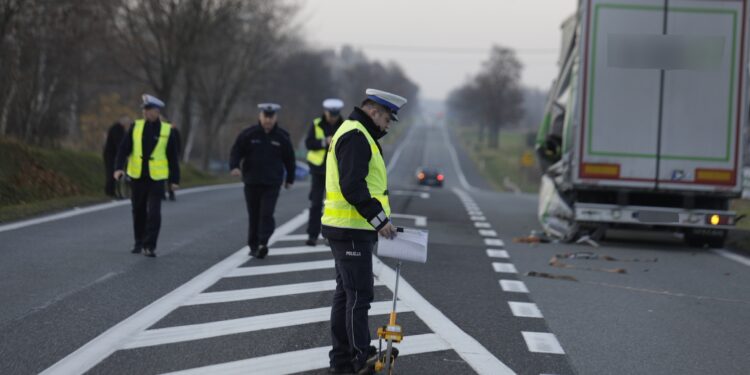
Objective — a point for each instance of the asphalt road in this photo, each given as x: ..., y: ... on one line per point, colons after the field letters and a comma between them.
x: 75, y: 300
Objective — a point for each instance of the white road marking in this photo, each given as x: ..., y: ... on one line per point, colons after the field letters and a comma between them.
x: 494, y: 242
x: 399, y: 150
x: 504, y: 267
x: 475, y: 213
x: 100, y: 207
x: 480, y: 224
x: 513, y: 286
x: 296, y: 237
x: 478, y: 218
x: 732, y: 256
x: 309, y: 359
x: 420, y: 221
x: 495, y: 253
x: 296, y: 250
x: 468, y: 348
x: 525, y: 309
x: 264, y: 292
x: 280, y: 268
x: 420, y: 194
x: 487, y: 233
x: 456, y: 165
x: 96, y: 350
x: 540, y: 342
x: 161, y: 336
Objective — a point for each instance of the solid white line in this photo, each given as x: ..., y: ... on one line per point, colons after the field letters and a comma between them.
x: 309, y: 359
x: 513, y: 286
x: 504, y: 267
x: 264, y: 292
x: 525, y: 310
x: 541, y: 342
x: 420, y: 221
x: 494, y: 242
x: 399, y: 149
x: 161, y: 336
x: 495, y: 253
x: 99, y: 207
x: 298, y: 250
x: 280, y: 268
x: 487, y: 233
x: 468, y: 348
x: 454, y: 157
x: 481, y: 224
x: 296, y: 237
x: 732, y: 256
x: 96, y: 350
x: 478, y: 218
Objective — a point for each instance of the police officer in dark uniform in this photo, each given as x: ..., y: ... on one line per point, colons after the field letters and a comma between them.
x: 152, y: 157
x: 356, y: 210
x: 265, y: 153
x: 318, y: 138
x: 115, y: 134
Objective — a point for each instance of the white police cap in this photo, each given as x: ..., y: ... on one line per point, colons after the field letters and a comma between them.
x: 151, y: 102
x: 390, y: 101
x: 333, y: 104
x: 269, y: 107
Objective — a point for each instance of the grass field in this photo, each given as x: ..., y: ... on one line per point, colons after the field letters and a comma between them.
x: 35, y: 180
x: 502, y: 166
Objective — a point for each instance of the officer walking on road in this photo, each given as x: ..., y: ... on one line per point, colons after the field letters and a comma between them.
x: 115, y: 134
x: 356, y: 211
x: 318, y: 138
x: 152, y: 157
x: 264, y: 152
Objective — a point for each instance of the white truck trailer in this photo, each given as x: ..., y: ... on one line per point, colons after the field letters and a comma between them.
x: 643, y: 125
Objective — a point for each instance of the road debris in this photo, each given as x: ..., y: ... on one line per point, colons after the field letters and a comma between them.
x: 550, y: 276
x: 588, y: 255
x: 587, y: 240
x: 555, y: 262
x: 534, y: 238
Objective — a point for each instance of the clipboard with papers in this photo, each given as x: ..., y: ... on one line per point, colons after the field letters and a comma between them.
x: 409, y: 245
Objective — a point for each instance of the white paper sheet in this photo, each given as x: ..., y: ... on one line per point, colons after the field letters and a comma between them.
x: 409, y: 245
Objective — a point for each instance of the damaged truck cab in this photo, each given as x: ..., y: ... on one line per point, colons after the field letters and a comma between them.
x: 643, y: 123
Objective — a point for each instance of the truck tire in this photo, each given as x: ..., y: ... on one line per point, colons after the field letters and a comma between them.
x: 712, y: 238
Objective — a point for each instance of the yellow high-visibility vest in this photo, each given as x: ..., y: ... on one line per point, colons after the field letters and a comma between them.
x: 158, y: 165
x: 317, y: 157
x: 338, y: 211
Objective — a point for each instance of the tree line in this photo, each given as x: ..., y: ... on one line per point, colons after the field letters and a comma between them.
x: 68, y: 64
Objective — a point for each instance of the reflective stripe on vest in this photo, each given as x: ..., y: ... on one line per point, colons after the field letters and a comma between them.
x: 317, y: 157
x: 158, y: 165
x: 338, y: 211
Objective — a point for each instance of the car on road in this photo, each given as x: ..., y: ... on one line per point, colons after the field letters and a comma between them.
x: 429, y: 177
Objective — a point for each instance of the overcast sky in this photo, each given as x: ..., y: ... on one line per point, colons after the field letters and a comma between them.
x: 452, y: 37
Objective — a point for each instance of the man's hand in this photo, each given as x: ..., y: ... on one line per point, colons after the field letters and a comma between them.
x: 388, y: 231
x: 175, y: 187
x: 118, y: 174
x: 236, y: 172
x: 287, y: 185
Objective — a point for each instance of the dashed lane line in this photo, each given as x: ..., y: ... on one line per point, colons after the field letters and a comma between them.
x: 169, y: 335
x: 309, y: 359
x: 478, y: 218
x: 496, y: 253
x: 542, y: 342
x: 513, y: 286
x: 504, y: 267
x: 494, y: 242
x: 480, y: 224
x: 525, y: 309
x: 487, y: 233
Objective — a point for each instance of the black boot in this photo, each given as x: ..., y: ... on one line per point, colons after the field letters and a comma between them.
x: 136, y: 250
x: 262, y: 251
x: 253, y: 251
x: 311, y: 242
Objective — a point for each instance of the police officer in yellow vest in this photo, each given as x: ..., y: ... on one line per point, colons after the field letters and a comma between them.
x: 356, y: 211
x: 150, y: 151
x: 318, y: 138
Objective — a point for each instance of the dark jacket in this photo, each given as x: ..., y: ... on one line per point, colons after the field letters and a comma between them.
x: 151, y: 132
x: 313, y: 143
x: 264, y: 157
x: 353, y: 155
x: 114, y: 137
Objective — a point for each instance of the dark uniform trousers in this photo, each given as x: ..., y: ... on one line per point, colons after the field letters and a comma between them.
x: 351, y: 302
x: 261, y: 202
x: 146, y: 200
x: 317, y: 190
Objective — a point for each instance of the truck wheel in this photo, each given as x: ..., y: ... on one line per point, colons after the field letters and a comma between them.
x: 712, y: 238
